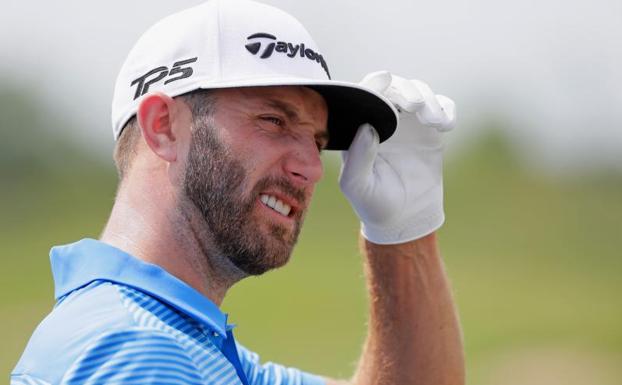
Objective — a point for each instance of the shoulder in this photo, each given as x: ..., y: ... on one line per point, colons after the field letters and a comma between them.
x: 92, y: 319
x: 127, y: 356
x: 75, y: 320
x: 133, y: 355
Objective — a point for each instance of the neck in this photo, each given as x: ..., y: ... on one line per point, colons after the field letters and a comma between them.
x: 155, y: 228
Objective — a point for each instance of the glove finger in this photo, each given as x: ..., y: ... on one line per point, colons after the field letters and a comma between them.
x: 344, y: 157
x: 431, y: 113
x: 404, y: 94
x: 449, y: 107
x: 378, y: 81
x: 359, y: 161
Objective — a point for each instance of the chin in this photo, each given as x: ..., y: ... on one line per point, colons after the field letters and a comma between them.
x: 259, y: 266
x: 266, y: 252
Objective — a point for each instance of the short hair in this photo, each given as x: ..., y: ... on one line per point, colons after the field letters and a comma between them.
x: 201, y: 104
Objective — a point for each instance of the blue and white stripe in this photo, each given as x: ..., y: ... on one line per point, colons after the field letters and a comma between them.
x: 111, y: 331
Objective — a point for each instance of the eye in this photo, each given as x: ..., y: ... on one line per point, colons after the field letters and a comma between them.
x: 274, y: 120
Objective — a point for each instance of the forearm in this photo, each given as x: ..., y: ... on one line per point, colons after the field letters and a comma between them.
x: 414, y: 335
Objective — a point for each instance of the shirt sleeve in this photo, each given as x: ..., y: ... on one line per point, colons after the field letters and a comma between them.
x: 271, y: 373
x: 133, y: 357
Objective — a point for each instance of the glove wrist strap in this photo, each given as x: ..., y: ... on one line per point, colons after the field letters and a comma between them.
x: 426, y: 222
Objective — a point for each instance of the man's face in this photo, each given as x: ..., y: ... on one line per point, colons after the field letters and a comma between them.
x: 252, y: 168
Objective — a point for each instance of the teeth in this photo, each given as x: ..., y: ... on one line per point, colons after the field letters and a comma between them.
x: 275, y: 204
x: 279, y: 206
x: 286, y: 209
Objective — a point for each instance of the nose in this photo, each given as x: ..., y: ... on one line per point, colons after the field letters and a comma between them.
x: 303, y: 164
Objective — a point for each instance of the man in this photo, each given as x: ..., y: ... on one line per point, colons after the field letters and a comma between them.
x: 220, y: 113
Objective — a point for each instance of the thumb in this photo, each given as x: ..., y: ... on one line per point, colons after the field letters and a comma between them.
x: 358, y: 161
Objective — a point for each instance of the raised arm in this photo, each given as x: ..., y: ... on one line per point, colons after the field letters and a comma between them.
x: 414, y: 336
x: 395, y: 188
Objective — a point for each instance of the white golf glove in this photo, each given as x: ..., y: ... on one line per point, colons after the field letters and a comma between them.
x: 396, y: 187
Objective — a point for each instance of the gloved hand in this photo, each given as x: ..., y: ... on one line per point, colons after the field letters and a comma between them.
x: 396, y: 187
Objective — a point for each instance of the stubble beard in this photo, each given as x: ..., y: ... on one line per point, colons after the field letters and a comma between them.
x: 215, y: 182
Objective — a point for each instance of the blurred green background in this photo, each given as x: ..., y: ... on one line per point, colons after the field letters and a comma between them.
x: 534, y: 259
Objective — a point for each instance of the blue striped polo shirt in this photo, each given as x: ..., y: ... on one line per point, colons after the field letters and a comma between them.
x: 119, y: 320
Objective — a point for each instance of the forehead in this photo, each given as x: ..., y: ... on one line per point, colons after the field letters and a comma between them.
x: 307, y: 104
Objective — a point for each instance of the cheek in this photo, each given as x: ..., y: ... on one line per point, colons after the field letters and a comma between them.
x: 254, y: 162
x: 261, y: 151
x: 258, y: 149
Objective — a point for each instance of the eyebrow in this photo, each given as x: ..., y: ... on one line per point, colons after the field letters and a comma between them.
x: 292, y: 114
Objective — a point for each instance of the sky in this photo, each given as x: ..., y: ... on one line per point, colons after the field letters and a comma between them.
x: 548, y: 71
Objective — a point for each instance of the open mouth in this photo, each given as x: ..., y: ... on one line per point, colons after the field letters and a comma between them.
x: 276, y: 204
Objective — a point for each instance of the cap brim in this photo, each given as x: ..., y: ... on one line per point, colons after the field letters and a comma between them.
x: 349, y: 106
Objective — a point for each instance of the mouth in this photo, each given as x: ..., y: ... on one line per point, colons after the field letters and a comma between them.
x: 277, y: 205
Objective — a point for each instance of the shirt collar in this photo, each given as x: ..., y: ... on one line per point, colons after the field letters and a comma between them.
x: 80, y: 263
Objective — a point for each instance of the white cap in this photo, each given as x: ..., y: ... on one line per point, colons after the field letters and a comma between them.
x: 240, y: 43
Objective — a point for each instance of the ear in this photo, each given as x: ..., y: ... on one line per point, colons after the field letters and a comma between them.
x: 156, y: 114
